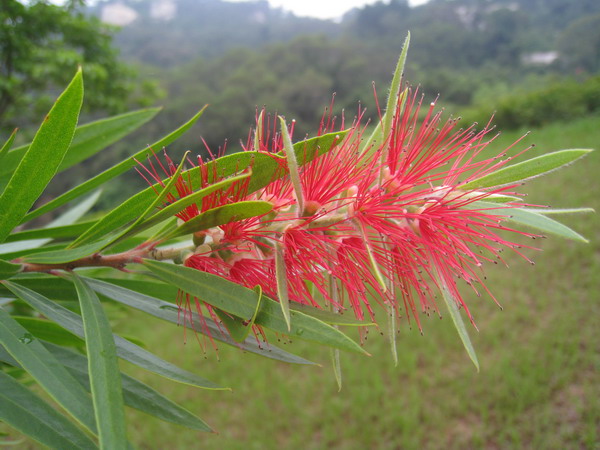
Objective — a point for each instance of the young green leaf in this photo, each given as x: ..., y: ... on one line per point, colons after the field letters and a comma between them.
x: 58, y: 232
x: 90, y: 138
x: 48, y: 331
x: 526, y: 170
x: 46, y: 370
x: 530, y: 218
x: 135, y: 393
x: 42, y: 159
x: 68, y: 254
x: 6, y: 147
x: 125, y: 349
x: 458, y: 322
x: 282, y: 288
x: 103, y: 369
x: 241, y: 302
x: 554, y: 211
x: 112, y: 172
x: 221, y: 215
x: 394, y: 91
x: 292, y: 165
x: 39, y: 237
x: 26, y: 412
x: 239, y: 329
x: 8, y: 270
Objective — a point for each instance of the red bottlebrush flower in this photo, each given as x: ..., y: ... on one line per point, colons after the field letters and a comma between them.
x: 391, y: 223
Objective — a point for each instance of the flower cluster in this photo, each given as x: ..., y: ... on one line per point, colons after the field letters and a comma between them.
x: 382, y: 220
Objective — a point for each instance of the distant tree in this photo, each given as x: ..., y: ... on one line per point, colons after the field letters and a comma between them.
x: 41, y: 45
x: 579, y: 44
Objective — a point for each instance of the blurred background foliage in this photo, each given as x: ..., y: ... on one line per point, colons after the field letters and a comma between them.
x: 530, y: 61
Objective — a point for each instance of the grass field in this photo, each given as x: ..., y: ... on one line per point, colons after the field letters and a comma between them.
x: 540, y: 356
x: 538, y: 386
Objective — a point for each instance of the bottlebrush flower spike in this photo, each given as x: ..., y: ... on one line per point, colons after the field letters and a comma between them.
x: 393, y: 224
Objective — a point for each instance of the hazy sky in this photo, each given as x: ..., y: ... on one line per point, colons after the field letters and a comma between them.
x: 324, y: 9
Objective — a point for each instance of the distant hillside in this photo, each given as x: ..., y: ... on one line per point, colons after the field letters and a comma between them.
x: 448, y: 33
x: 171, y: 32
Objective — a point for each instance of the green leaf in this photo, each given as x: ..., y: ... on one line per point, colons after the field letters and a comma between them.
x: 93, y: 137
x: 292, y: 165
x: 68, y: 254
x: 6, y: 147
x: 458, y: 322
x: 90, y: 138
x: 103, y: 369
x: 220, y: 216
x: 239, y: 329
x: 8, y: 270
x: 135, y: 393
x: 112, y: 172
x: 125, y: 349
x: 526, y: 170
x: 265, y: 168
x: 553, y: 211
x: 170, y: 312
x: 46, y: 370
x: 48, y: 331
x: 39, y: 235
x: 42, y: 159
x: 59, y: 232
x: 241, y: 302
x: 394, y: 91
x: 282, y: 288
x: 26, y: 412
x: 530, y: 218
x: 334, y: 353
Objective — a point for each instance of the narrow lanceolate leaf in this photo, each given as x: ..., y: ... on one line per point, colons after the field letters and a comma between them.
x: 59, y: 232
x: 69, y: 254
x: 526, y: 170
x: 6, y: 147
x: 112, y: 172
x: 282, y: 288
x: 42, y: 159
x: 103, y: 368
x: 334, y: 352
x: 48, y: 331
x: 394, y: 91
x: 125, y: 349
x: 241, y: 302
x: 458, y: 323
x: 222, y: 215
x: 530, y: 218
x: 90, y: 138
x: 46, y: 370
x: 135, y: 393
x: 240, y: 329
x: 42, y: 236
x: 554, y: 211
x: 27, y: 413
x: 292, y: 164
x: 170, y: 312
x: 8, y: 270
